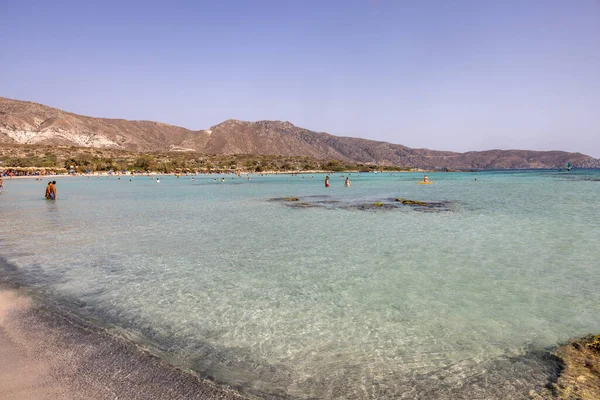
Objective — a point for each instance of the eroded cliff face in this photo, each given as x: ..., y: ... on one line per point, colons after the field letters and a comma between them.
x: 31, y: 123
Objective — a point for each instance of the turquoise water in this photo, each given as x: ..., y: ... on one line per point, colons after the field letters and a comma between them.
x: 331, y: 299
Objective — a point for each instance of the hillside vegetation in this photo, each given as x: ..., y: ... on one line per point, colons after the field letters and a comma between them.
x: 83, y: 159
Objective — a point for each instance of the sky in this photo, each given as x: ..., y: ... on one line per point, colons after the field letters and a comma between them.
x: 445, y: 75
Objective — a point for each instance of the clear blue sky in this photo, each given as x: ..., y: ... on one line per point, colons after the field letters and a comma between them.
x: 448, y: 75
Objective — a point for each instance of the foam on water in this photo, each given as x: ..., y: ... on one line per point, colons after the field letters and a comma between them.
x: 328, y: 301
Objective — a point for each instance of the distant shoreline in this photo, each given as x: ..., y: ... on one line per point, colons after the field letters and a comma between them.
x: 243, y: 173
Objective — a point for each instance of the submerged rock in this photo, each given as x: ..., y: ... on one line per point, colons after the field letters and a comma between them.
x: 295, y: 202
x: 378, y: 205
x: 381, y: 205
x: 427, y: 206
x: 411, y: 202
x: 580, y: 375
x: 594, y: 344
x: 289, y: 198
x: 302, y: 205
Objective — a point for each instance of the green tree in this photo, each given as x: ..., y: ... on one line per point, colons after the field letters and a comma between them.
x: 146, y: 162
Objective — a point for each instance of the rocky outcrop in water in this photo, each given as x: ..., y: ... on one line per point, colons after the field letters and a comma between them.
x: 580, y: 375
x: 411, y: 202
x: 378, y: 205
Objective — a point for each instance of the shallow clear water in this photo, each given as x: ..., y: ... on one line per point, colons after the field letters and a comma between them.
x: 332, y: 300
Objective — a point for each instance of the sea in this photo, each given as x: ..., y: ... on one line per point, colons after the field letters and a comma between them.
x: 283, y: 288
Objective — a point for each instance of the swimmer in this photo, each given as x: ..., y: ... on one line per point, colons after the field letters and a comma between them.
x: 157, y: 180
x: 347, y: 182
x: 327, y: 181
x: 425, y: 178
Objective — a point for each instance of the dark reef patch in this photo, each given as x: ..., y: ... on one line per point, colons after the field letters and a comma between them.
x: 373, y: 206
x: 388, y: 204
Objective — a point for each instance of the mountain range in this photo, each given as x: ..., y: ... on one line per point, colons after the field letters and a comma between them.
x: 23, y: 122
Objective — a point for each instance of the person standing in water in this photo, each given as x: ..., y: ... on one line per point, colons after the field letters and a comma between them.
x: 51, y: 191
x: 48, y: 190
x: 327, y: 181
x: 1, y: 185
x: 347, y: 182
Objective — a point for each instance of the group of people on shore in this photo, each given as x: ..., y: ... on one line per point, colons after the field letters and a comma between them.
x: 20, y: 172
x: 51, y: 190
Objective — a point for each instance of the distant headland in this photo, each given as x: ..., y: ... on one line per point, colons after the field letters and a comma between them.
x: 27, y: 123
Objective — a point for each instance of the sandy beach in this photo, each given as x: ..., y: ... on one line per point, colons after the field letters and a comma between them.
x: 46, y: 355
x: 243, y: 173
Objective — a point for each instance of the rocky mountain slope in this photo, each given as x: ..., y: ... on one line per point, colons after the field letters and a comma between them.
x: 31, y: 123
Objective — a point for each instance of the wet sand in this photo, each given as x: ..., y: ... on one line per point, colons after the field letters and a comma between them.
x: 45, y: 355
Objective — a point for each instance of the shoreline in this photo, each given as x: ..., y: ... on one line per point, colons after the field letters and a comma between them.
x: 244, y: 173
x: 53, y: 355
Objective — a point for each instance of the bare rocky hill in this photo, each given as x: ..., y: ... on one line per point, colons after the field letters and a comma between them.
x: 31, y: 123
